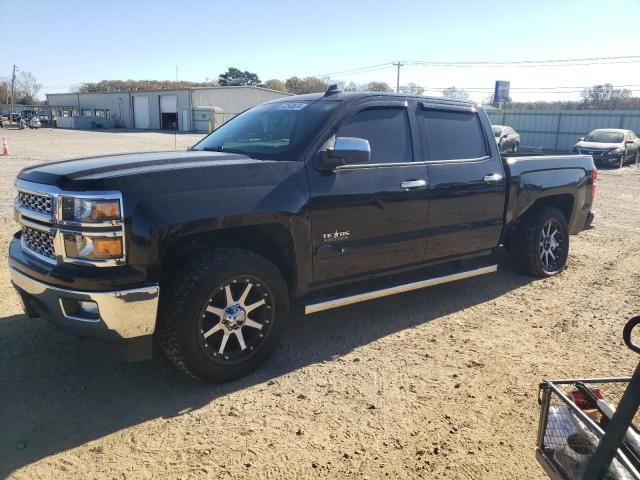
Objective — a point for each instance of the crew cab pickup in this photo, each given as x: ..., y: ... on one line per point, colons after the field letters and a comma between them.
x: 304, y: 203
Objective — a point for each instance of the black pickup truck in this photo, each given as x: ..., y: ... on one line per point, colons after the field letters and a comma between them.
x: 314, y: 201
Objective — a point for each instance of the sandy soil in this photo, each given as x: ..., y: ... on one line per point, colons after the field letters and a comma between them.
x: 439, y: 383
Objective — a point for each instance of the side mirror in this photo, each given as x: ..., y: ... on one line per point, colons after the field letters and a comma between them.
x: 345, y: 151
x: 629, y: 142
x: 581, y: 139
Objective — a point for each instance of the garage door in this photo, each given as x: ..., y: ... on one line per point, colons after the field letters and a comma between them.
x: 168, y: 104
x: 141, y: 112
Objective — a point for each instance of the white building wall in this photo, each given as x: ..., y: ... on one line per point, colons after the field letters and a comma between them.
x: 154, y: 105
x: 232, y: 100
x: 118, y: 104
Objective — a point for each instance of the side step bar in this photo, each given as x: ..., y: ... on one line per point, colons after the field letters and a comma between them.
x: 407, y: 287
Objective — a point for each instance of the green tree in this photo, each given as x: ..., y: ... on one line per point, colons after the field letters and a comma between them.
x: 379, y: 87
x: 454, y: 93
x: 236, y: 77
x: 275, y: 84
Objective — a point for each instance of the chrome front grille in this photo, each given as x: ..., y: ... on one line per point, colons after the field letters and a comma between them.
x: 38, y: 241
x: 39, y: 211
x: 37, y: 203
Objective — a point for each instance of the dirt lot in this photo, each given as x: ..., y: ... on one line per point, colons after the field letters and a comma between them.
x: 439, y: 383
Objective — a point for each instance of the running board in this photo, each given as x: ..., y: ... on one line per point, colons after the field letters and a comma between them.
x: 407, y: 287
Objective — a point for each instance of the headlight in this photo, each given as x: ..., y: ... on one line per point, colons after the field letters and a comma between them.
x: 93, y: 248
x: 90, y: 210
x: 616, y: 151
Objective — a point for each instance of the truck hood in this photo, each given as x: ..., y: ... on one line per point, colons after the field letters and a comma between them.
x: 599, y: 146
x: 94, y: 169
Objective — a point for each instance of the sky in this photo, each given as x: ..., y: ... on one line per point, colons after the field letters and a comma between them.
x: 67, y: 42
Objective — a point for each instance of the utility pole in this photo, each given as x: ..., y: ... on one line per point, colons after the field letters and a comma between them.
x: 13, y: 82
x: 398, y: 64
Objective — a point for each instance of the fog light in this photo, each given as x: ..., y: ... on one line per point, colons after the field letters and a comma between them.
x: 83, y: 310
x: 88, y: 307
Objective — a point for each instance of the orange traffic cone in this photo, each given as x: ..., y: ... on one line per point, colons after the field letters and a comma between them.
x: 5, y: 149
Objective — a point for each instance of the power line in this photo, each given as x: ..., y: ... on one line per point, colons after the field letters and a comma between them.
x: 531, y: 89
x: 565, y: 62
x: 518, y: 65
x: 518, y: 62
x: 370, y: 68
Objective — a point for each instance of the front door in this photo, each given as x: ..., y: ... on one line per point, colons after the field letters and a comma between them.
x: 466, y: 182
x: 366, y: 218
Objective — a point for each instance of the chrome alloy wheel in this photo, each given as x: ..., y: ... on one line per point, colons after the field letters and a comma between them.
x: 551, y: 245
x: 236, y: 319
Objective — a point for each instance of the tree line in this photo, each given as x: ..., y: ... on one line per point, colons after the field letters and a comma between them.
x: 600, y: 97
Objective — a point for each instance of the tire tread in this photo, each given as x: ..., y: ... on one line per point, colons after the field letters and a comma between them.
x: 181, y: 287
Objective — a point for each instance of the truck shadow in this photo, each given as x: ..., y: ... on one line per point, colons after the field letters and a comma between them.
x: 54, y: 395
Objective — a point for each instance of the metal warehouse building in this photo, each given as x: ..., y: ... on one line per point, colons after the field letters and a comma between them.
x: 187, y: 110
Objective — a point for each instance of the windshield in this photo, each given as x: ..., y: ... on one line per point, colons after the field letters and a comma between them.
x: 604, y: 137
x: 497, y: 131
x: 271, y: 131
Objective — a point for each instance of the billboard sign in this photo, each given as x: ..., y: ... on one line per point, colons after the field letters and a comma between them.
x: 501, y: 93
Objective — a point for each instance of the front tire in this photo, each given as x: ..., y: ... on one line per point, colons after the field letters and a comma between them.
x: 223, y: 314
x: 541, y: 243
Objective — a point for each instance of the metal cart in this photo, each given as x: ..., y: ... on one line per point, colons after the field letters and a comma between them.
x: 588, y: 428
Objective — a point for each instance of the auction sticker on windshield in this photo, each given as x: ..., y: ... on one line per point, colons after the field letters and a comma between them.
x: 291, y: 106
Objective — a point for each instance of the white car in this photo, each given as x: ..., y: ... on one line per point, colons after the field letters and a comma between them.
x: 35, y: 123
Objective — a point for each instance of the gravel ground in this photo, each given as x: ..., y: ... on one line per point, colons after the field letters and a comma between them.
x: 439, y: 383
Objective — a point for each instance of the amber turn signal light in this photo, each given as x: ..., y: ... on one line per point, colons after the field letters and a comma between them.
x: 107, y: 247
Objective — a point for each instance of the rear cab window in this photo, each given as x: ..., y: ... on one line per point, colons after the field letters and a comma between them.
x: 452, y: 135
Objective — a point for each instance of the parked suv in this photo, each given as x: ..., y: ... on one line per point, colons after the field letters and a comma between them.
x: 610, y: 147
x: 507, y: 138
x: 316, y: 201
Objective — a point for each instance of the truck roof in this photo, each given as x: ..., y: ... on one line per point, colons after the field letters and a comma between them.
x: 353, y: 96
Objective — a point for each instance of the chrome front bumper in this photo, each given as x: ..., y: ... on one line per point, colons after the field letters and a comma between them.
x: 121, y: 314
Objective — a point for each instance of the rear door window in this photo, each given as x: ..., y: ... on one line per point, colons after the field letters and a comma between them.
x: 453, y: 135
x: 386, y: 129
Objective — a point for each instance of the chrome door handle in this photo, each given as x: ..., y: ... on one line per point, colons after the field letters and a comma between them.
x: 413, y: 184
x: 493, y: 178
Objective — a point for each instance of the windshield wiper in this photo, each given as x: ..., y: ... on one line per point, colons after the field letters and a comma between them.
x: 222, y: 148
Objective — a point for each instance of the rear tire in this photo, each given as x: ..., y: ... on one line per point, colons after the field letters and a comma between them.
x: 223, y: 314
x: 541, y: 243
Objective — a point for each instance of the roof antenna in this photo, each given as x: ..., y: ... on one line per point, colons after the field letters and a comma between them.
x: 332, y: 90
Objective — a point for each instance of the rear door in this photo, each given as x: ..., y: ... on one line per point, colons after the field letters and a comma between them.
x: 365, y: 217
x: 466, y: 181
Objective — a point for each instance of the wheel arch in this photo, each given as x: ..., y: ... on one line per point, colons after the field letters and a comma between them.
x: 563, y: 201
x: 272, y: 241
